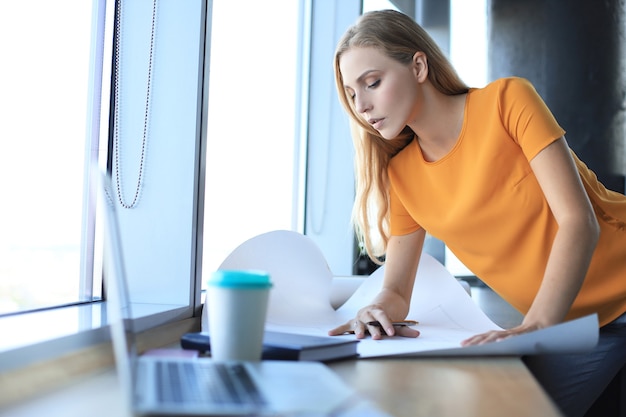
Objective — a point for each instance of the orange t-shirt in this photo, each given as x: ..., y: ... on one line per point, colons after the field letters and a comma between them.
x: 483, y: 200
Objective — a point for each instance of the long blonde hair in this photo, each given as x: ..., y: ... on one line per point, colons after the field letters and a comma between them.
x: 399, y: 37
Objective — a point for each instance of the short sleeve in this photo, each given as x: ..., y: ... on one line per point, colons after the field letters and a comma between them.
x: 401, y: 222
x: 526, y: 116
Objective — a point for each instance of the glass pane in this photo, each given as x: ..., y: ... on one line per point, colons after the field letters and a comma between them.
x: 371, y: 5
x: 44, y: 76
x: 251, y: 124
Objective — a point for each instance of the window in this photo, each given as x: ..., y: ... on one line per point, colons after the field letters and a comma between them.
x: 159, y: 233
x: 370, y: 5
x: 252, y: 162
x: 50, y: 79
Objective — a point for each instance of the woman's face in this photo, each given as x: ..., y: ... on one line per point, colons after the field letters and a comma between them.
x: 384, y: 91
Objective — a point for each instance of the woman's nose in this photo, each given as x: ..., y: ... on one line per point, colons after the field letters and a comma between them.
x: 361, y: 105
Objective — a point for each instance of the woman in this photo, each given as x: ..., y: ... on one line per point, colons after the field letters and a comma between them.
x: 489, y: 172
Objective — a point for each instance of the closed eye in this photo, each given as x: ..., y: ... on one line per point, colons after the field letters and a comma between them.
x: 374, y: 84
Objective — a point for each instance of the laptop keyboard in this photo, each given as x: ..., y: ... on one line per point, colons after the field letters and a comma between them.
x: 207, y: 382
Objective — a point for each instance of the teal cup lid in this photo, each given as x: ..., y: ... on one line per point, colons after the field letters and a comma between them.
x: 240, y: 279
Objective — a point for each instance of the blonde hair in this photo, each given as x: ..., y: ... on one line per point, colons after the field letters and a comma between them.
x: 399, y: 37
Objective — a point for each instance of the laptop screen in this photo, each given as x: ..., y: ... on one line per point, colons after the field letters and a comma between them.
x: 119, y: 314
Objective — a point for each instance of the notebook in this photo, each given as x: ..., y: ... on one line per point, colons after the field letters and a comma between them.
x: 287, y: 346
x: 183, y: 385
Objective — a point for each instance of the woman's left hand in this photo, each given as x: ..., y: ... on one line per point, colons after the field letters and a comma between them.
x: 498, y: 335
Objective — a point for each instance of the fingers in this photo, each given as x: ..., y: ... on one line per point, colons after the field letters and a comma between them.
x: 382, y: 326
x: 376, y: 329
x: 343, y: 329
x: 492, y: 336
x: 361, y: 329
x: 406, y: 331
x: 353, y: 326
x: 358, y: 328
x: 481, y: 339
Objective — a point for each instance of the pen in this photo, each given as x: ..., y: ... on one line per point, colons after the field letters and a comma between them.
x: 376, y: 323
x: 395, y: 323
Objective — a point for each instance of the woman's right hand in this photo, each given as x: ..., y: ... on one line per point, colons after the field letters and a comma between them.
x: 373, y: 313
x: 393, y: 300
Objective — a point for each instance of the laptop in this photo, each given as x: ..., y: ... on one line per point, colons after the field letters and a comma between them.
x: 184, y: 386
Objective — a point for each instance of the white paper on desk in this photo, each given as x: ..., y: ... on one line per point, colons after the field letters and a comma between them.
x: 301, y: 278
x: 300, y: 303
x: 576, y: 336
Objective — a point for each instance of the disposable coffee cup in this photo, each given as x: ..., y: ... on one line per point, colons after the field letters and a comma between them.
x: 237, y: 302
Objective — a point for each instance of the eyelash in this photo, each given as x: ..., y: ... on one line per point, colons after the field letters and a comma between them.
x: 372, y: 85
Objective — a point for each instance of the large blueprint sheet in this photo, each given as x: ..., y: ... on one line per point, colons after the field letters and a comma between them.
x: 300, y: 303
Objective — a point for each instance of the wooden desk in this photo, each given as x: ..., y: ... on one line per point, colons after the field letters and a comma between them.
x: 481, y: 387
x: 85, y: 384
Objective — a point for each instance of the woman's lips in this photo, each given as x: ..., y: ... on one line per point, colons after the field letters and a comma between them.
x: 376, y: 123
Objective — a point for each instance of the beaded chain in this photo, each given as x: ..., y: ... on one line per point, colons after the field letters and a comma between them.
x: 118, y: 169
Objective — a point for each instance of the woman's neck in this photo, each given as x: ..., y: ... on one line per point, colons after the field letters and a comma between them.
x: 439, y: 129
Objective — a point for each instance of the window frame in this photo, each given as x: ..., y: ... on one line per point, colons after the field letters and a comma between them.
x: 59, y: 331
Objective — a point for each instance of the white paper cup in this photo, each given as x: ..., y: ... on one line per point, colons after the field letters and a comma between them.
x: 237, y: 302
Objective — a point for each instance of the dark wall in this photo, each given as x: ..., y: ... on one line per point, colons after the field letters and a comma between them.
x: 574, y: 52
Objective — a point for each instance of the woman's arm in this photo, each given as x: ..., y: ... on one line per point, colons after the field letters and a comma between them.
x: 393, y: 301
x: 575, y: 240
x: 573, y: 244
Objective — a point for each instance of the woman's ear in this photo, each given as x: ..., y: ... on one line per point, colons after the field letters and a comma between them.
x: 420, y: 66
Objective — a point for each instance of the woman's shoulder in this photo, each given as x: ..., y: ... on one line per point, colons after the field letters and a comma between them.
x: 505, y: 85
x: 503, y: 89
x: 506, y: 94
